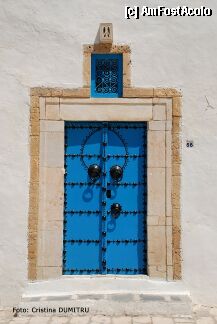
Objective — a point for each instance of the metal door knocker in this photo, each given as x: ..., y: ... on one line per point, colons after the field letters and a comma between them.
x: 94, y: 171
x: 116, y: 210
x: 116, y: 172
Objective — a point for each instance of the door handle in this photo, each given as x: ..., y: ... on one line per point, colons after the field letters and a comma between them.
x: 94, y: 171
x: 116, y: 210
x: 116, y: 172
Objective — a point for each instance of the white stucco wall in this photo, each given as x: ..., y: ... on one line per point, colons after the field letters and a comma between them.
x: 41, y: 45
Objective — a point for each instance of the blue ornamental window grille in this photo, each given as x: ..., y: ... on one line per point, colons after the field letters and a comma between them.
x: 106, y: 75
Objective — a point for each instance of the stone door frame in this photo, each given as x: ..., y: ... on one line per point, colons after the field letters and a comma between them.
x: 161, y: 108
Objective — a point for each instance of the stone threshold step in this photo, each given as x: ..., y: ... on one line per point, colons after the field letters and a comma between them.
x: 103, y: 285
x: 113, y: 304
x: 109, y: 295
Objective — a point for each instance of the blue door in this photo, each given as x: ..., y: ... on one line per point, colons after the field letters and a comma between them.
x: 105, y: 198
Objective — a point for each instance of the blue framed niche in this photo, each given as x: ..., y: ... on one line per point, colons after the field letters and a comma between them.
x: 106, y: 75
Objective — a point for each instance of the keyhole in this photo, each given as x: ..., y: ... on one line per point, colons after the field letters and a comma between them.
x: 108, y: 193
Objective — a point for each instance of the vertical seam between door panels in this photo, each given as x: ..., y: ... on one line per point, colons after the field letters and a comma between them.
x: 104, y: 199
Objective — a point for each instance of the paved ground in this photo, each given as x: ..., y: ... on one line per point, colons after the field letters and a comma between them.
x: 201, y: 315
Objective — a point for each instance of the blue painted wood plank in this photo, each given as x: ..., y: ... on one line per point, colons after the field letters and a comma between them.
x: 94, y: 240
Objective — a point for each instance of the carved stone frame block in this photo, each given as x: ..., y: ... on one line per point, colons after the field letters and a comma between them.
x: 53, y: 111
